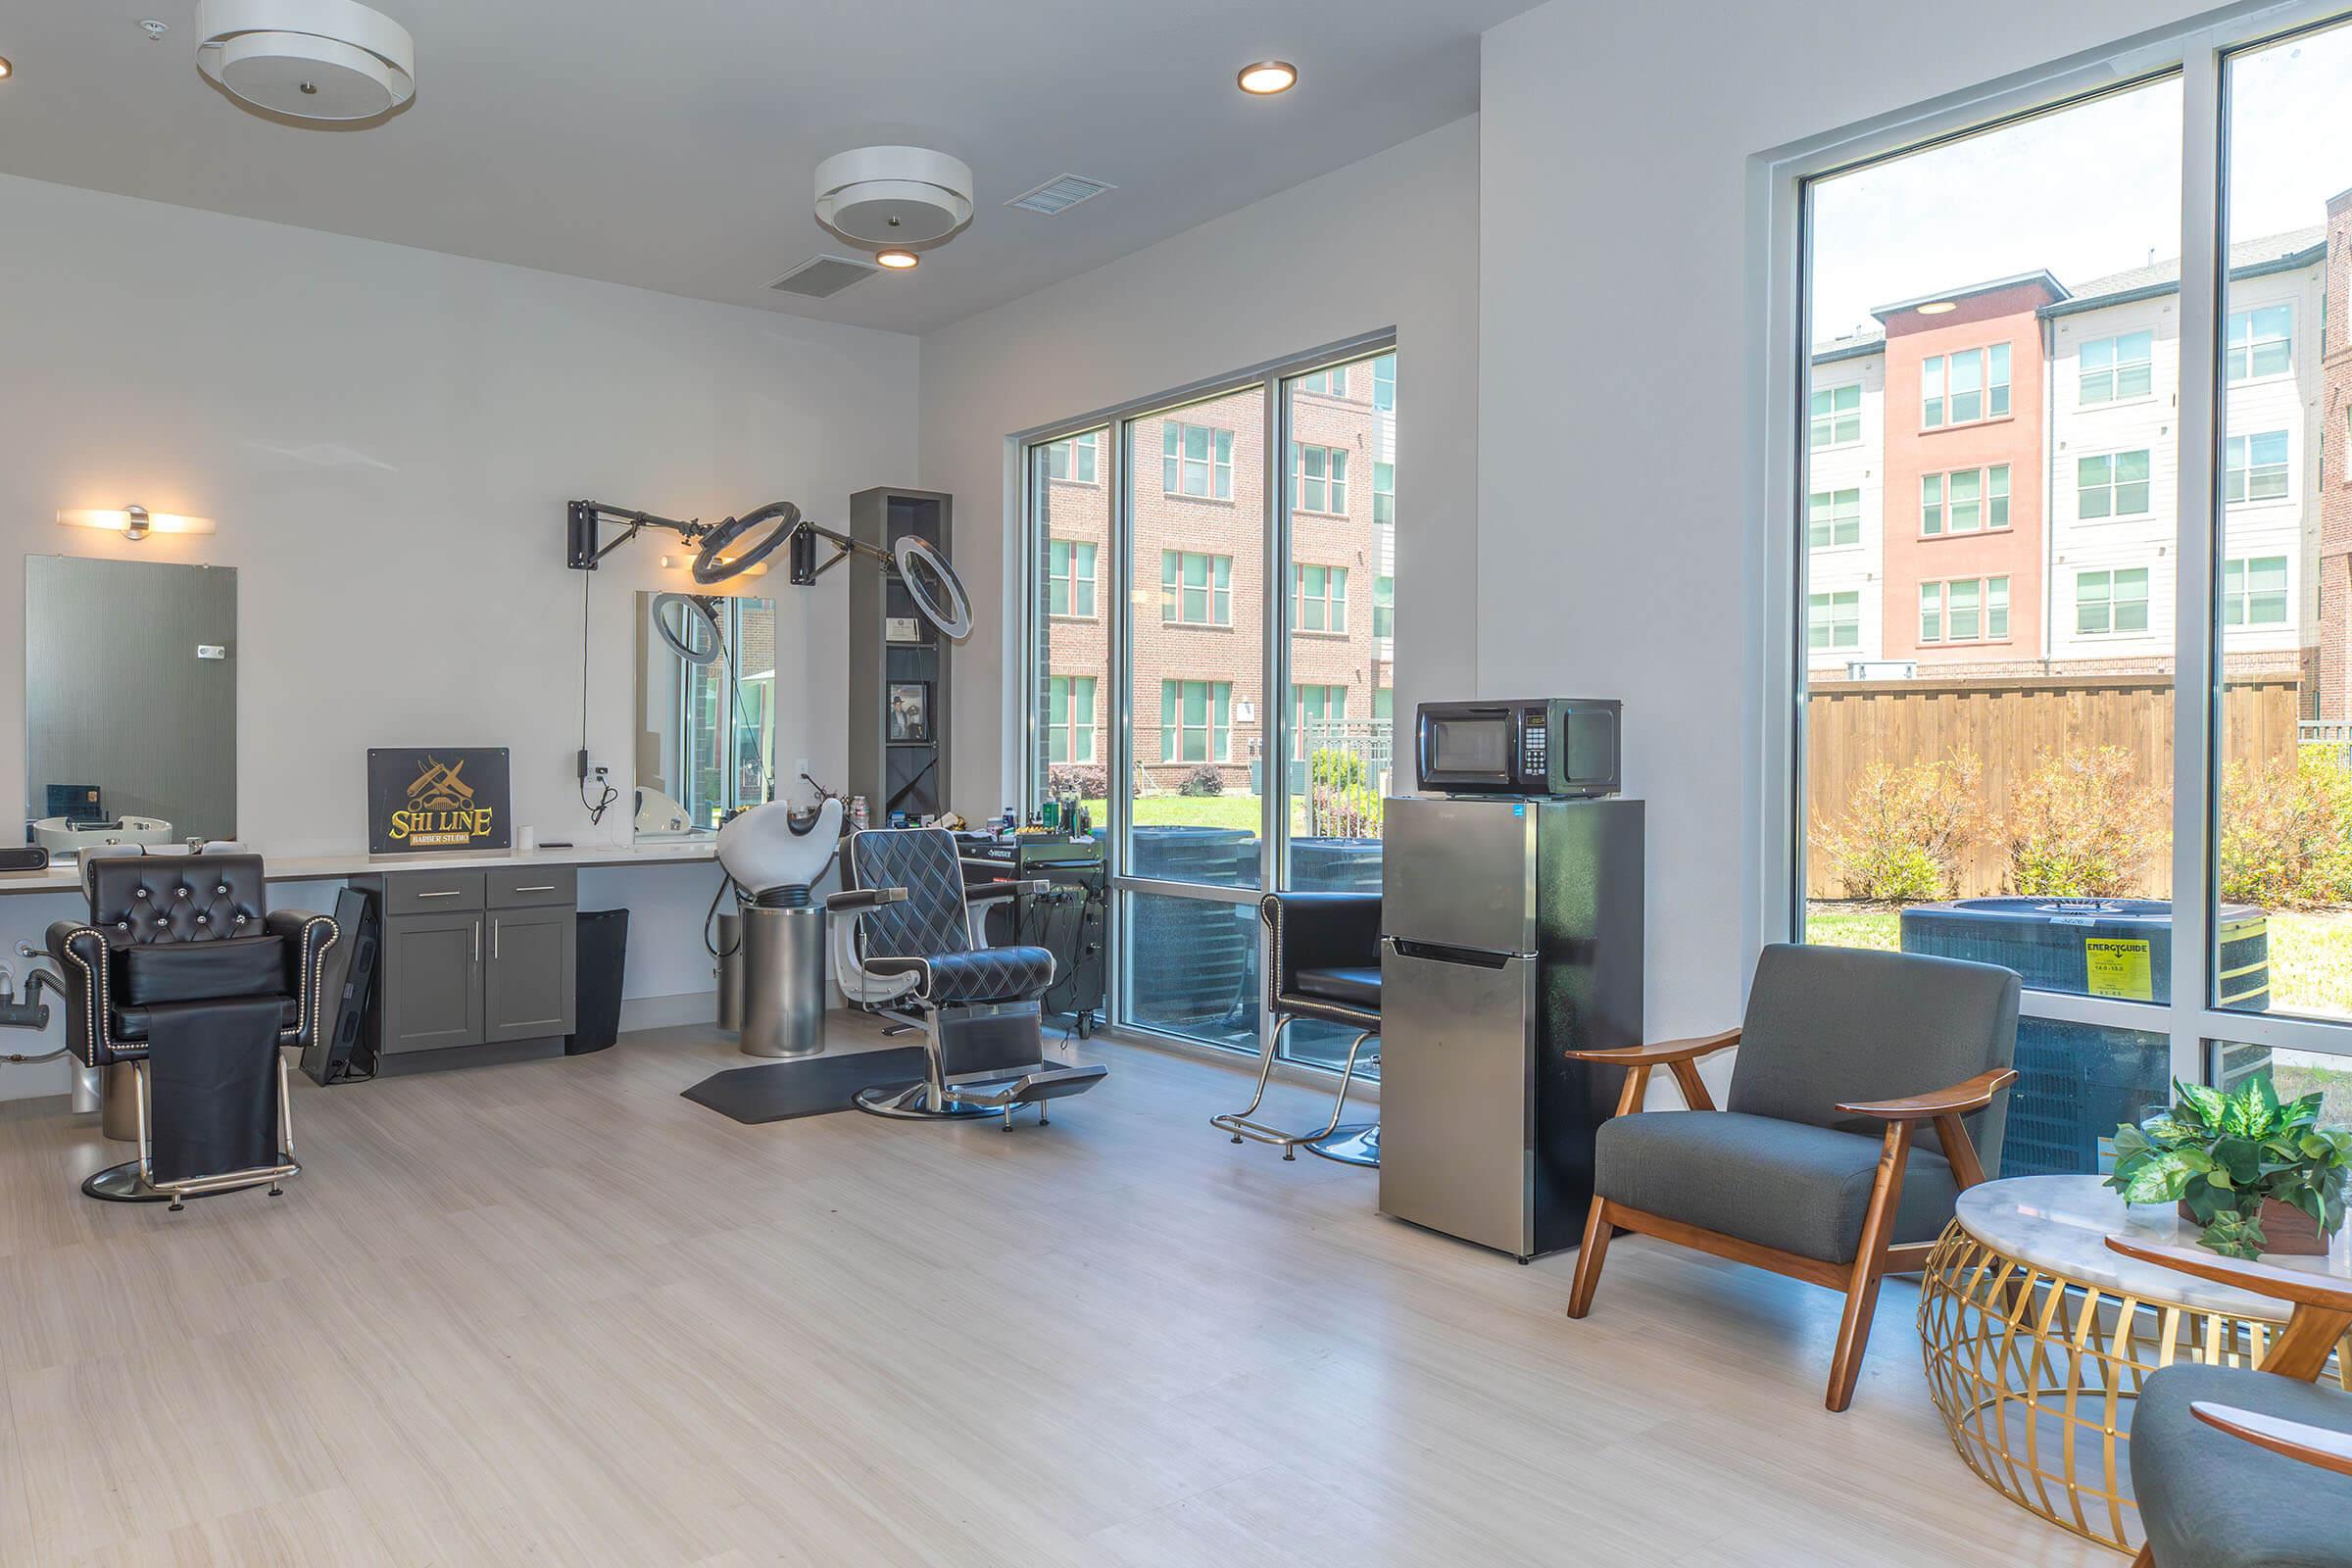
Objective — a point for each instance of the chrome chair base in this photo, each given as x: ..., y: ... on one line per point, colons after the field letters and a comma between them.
x: 1243, y: 1125
x: 1356, y: 1144
x: 914, y: 1103
x: 127, y: 1184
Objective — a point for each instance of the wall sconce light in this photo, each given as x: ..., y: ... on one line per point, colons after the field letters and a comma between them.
x: 681, y: 562
x: 134, y: 522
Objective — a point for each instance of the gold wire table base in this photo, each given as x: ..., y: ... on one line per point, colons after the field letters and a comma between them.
x: 2034, y: 1374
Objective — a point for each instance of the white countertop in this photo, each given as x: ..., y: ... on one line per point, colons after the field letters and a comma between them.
x: 2061, y: 1223
x: 67, y: 878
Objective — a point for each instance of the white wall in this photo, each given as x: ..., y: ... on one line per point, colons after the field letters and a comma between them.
x: 386, y: 438
x: 1615, y: 550
x: 1387, y: 242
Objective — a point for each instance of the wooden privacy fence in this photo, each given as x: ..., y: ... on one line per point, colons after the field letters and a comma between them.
x: 2010, y: 724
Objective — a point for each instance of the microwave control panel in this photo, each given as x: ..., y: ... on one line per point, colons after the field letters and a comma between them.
x: 1534, y: 749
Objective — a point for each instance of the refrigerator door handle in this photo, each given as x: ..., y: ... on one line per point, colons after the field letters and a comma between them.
x: 1438, y: 953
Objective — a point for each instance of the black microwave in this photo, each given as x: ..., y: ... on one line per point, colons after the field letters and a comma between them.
x: 1547, y: 746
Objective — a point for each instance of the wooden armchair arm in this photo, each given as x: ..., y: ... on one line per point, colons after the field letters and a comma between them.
x: 2314, y: 1446
x: 1661, y: 1054
x: 1678, y: 1056
x: 2323, y: 1306
x: 1958, y: 1100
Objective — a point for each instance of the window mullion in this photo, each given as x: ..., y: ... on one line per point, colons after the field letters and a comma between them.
x: 2196, y: 663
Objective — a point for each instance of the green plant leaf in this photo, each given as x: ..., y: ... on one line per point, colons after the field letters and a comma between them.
x: 2128, y: 1142
x: 2234, y: 1234
x: 2161, y: 1179
x: 2206, y: 1108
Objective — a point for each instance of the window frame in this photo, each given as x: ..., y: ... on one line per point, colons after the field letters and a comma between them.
x: 1215, y: 589
x: 1815, y: 521
x: 2252, y: 345
x: 1330, y: 604
x: 1070, y: 581
x: 2112, y: 485
x: 1981, y: 606
x: 2237, y: 473
x: 1333, y: 496
x: 1217, y: 465
x: 1069, y: 726
x: 1941, y: 401
x: 2116, y: 366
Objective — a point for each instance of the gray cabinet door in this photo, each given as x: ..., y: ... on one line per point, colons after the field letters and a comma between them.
x: 528, y: 986
x: 432, y: 981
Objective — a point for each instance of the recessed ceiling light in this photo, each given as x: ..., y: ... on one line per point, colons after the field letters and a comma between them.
x: 897, y: 261
x: 6, y: 70
x: 1939, y: 307
x: 1267, y: 77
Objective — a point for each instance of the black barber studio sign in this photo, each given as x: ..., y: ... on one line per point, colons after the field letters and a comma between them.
x: 425, y: 799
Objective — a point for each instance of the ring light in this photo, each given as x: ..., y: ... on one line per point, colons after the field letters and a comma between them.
x: 934, y: 586
x: 677, y: 640
x: 714, y: 566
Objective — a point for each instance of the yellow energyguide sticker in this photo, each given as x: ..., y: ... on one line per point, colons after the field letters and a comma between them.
x: 2114, y: 967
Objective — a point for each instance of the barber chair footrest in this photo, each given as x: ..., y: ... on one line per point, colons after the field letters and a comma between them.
x: 125, y: 1184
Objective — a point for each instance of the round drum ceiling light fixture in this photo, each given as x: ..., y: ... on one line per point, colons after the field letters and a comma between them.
x: 897, y: 258
x: 323, y: 60
x: 894, y: 198
x: 1266, y: 77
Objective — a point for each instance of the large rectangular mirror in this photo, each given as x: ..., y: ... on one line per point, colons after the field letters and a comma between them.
x: 130, y: 703
x: 706, y: 711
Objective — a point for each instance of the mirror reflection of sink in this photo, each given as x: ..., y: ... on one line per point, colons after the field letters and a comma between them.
x: 59, y: 836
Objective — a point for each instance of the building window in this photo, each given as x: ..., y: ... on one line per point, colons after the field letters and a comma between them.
x: 1075, y: 459
x: 1834, y: 519
x: 1384, y: 382
x: 2261, y: 342
x: 1196, y: 461
x: 2119, y: 368
x: 1836, y: 417
x: 1070, y: 579
x: 1383, y: 494
x: 1331, y: 383
x: 1384, y: 607
x: 1071, y: 718
x: 1194, y: 590
x: 2111, y: 603
x: 1832, y: 620
x: 1195, y: 721
x: 1965, y: 610
x: 1318, y: 478
x: 1313, y: 704
x: 1966, y: 387
x: 2112, y: 486
x: 2254, y: 592
x: 2254, y: 467
x: 1965, y: 500
x: 1319, y: 598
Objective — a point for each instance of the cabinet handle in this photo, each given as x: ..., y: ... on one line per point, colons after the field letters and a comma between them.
x: 494, y: 925
x: 477, y: 941
x: 543, y: 887
x: 445, y: 893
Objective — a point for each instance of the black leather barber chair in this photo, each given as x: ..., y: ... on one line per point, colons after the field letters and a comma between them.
x: 1324, y: 964
x: 185, y: 982
x: 912, y: 955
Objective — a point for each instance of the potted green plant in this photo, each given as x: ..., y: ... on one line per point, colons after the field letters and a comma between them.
x: 2258, y: 1175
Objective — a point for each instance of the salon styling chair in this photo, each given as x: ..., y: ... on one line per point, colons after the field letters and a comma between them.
x: 907, y: 950
x: 1324, y: 966
x: 182, y: 986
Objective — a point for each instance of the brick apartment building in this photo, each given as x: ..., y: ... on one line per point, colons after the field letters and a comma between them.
x: 1197, y: 582
x: 2333, y: 417
x: 1995, y: 475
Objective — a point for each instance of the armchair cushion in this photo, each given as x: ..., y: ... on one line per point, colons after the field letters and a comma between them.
x: 1785, y: 1185
x: 2213, y: 1500
x: 1352, y: 985
x: 983, y: 974
x: 133, y: 1025
x: 199, y: 971
x: 1832, y: 1024
x: 138, y: 900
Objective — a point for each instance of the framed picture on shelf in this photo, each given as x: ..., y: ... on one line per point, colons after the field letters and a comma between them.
x: 909, y: 713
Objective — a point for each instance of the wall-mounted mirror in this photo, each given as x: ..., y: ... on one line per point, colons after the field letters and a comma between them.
x: 130, y: 703
x: 706, y: 711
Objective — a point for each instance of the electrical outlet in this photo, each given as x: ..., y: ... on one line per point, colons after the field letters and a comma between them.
x: 600, y: 773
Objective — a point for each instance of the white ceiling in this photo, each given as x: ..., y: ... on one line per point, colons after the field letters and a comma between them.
x: 670, y: 143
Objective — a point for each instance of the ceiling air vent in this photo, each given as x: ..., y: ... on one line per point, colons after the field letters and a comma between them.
x: 1058, y: 195
x: 820, y: 277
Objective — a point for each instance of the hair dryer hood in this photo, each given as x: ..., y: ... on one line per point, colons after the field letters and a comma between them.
x: 764, y: 851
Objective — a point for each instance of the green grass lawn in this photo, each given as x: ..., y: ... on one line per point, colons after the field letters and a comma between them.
x: 1235, y: 810
x: 2311, y: 951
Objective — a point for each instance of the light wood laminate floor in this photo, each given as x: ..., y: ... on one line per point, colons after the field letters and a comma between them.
x: 553, y: 1313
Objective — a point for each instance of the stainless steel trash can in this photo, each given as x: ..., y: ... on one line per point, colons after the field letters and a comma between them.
x: 783, y: 981
x: 731, y: 973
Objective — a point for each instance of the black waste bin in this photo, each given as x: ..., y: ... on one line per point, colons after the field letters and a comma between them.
x: 603, y: 946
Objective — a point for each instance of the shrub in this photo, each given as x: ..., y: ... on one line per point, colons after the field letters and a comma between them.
x: 1337, y: 769
x: 1203, y: 780
x: 2287, y: 830
x: 1087, y: 782
x: 2083, y: 826
x: 1343, y: 812
x: 1903, y: 830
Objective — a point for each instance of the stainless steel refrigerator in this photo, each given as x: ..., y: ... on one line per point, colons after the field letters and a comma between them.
x: 1511, y: 933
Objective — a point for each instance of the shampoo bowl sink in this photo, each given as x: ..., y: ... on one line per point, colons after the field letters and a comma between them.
x: 61, y: 837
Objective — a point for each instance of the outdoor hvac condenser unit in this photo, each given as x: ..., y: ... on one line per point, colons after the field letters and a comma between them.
x: 2078, y: 1082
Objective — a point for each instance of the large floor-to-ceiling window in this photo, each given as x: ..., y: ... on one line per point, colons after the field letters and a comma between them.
x: 2072, y: 588
x: 1211, y: 615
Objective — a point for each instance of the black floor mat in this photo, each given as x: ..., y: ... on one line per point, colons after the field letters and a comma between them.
x: 813, y: 1085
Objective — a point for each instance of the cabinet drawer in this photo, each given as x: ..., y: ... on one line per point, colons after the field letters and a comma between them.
x: 432, y: 892
x: 526, y: 887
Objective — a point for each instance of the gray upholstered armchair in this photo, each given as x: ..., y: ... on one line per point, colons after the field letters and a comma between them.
x: 1810, y: 1169
x: 2236, y: 1468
